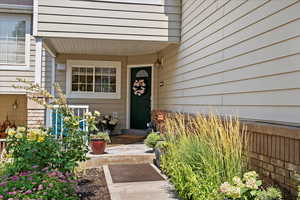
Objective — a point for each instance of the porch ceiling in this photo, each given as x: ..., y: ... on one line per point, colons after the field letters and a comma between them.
x: 104, y: 47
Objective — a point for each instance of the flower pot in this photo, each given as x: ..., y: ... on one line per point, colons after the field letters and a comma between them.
x: 98, y: 146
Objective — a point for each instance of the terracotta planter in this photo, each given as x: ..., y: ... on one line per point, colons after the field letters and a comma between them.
x: 98, y: 146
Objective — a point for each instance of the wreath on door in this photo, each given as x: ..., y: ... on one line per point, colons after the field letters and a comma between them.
x: 139, y: 87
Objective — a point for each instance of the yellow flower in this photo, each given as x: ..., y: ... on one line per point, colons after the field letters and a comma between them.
x: 32, y: 134
x: 41, y: 139
x: 11, y: 132
x: 19, y: 135
x: 21, y: 129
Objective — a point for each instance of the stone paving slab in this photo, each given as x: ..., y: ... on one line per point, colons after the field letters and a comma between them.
x: 150, y: 190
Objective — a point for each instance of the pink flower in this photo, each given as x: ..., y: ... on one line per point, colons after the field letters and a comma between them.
x: 40, y: 187
x: 15, y: 178
x: 1, y: 196
x: 34, y: 166
x: 12, y: 193
x: 28, y: 192
x: 51, y: 185
x: 3, y: 184
x: 33, y: 183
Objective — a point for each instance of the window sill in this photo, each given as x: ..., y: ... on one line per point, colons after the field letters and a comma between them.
x: 14, y: 67
x: 93, y: 96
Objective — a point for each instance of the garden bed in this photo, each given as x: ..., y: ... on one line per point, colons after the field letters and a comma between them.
x: 92, y: 185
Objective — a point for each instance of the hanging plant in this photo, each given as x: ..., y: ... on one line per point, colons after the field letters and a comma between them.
x: 139, y: 87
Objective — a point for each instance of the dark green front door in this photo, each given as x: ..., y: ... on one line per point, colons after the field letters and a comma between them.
x: 140, y: 107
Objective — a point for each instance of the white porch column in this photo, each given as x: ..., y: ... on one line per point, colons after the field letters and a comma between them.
x: 38, y: 61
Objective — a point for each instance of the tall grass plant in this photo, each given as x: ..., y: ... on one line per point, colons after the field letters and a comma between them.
x: 203, y: 152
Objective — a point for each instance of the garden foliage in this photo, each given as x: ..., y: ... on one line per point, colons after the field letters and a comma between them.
x: 152, y: 139
x: 41, y: 165
x: 202, y: 153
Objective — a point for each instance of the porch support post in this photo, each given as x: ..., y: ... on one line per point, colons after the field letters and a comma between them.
x: 38, y: 61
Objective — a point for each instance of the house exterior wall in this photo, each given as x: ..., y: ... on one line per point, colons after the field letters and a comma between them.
x: 130, y: 20
x: 236, y: 57
x: 106, y: 106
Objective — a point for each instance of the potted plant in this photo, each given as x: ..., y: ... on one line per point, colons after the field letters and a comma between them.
x: 98, y: 142
x: 107, y: 123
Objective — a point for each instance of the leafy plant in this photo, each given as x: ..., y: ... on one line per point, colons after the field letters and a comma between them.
x: 201, y: 153
x: 270, y: 193
x: 32, y: 147
x: 248, y: 188
x: 42, y: 184
x: 101, y: 136
x: 73, y: 146
x: 152, y: 139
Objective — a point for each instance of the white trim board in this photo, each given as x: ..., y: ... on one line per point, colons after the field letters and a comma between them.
x: 128, y: 90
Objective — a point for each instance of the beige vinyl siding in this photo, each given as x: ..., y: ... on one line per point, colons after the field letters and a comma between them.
x: 236, y: 57
x: 129, y: 20
x: 8, y: 78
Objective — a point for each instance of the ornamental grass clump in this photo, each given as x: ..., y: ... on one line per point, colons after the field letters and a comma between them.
x: 202, y: 152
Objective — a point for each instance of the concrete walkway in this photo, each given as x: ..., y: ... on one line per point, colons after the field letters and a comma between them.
x: 160, y: 190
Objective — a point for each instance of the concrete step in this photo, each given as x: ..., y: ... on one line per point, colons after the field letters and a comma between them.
x: 121, y: 154
x: 120, y: 159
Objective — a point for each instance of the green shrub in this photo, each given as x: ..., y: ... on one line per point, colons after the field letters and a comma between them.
x: 202, y: 152
x: 152, y: 139
x: 30, y: 147
x: 63, y: 153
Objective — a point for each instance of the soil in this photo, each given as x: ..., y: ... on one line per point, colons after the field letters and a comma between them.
x: 92, y: 185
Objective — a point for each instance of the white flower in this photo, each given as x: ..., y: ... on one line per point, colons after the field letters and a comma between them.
x: 225, y: 187
x: 251, y: 174
x: 251, y: 183
x: 97, y: 113
x: 237, y: 181
x: 88, y: 114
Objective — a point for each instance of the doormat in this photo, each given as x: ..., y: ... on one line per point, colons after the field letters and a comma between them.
x: 134, y: 173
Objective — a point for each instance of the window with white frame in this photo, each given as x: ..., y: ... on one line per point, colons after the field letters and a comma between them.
x: 14, y: 40
x: 93, y: 79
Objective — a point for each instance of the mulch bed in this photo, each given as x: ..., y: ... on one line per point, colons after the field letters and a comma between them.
x: 93, y: 186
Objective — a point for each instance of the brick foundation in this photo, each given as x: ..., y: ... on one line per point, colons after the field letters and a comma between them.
x: 274, y: 154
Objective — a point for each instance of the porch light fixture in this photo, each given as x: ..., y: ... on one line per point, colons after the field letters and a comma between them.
x: 15, y: 105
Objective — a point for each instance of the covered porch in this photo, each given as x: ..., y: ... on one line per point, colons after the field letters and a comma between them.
x: 100, y: 74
